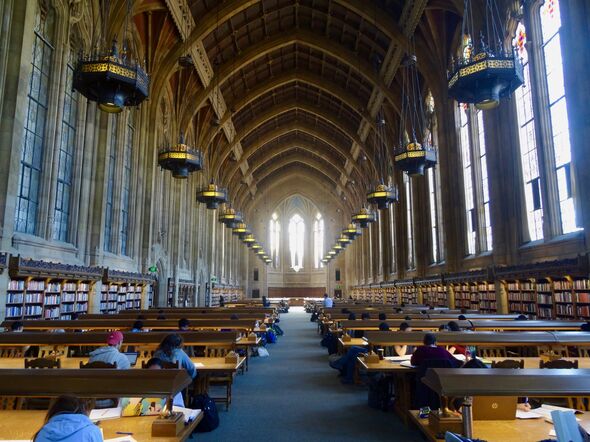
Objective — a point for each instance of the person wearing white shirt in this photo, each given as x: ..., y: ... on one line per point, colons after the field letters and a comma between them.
x: 328, y: 302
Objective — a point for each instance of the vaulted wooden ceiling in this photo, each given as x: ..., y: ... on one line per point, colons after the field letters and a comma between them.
x: 279, y: 87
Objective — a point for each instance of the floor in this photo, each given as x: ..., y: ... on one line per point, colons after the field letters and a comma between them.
x: 294, y: 395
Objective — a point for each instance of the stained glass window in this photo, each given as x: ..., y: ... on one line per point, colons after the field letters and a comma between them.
x: 409, y: 221
x: 296, y: 241
x: 318, y: 241
x: 528, y: 143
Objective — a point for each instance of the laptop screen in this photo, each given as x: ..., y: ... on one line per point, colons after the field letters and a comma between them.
x: 132, y: 356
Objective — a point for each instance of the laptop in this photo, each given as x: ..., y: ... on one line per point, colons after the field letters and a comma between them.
x: 132, y: 356
x: 494, y: 408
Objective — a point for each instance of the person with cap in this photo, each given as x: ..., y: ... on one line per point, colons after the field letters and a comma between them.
x: 111, y: 353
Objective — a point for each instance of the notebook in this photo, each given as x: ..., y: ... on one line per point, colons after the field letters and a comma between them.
x: 132, y: 356
x: 142, y: 406
x: 494, y: 408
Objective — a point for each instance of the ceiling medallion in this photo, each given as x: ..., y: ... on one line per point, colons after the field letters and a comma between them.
x: 212, y: 196
x: 383, y: 195
x: 180, y: 159
x: 364, y: 217
x: 484, y: 73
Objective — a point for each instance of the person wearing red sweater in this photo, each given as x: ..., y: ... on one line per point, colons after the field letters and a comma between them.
x: 431, y: 351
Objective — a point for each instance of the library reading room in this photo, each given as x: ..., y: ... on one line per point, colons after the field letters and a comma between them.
x: 294, y: 220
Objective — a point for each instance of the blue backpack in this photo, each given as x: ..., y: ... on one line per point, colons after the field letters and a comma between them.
x: 271, y: 337
x: 210, y: 417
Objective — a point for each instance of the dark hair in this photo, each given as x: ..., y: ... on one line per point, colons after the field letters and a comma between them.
x: 138, y: 324
x: 170, y: 343
x: 403, y: 304
x: 462, y: 318
x: 453, y: 326
x: 408, y: 318
x: 382, y: 316
x: 399, y: 310
x: 429, y: 339
x: 585, y: 327
x: 16, y: 325
x: 67, y: 404
x: 404, y: 326
x: 325, y: 295
x: 75, y: 316
x: 384, y: 326
x: 365, y: 315
x: 424, y: 312
x: 474, y: 363
x: 521, y: 318
x: 351, y: 316
x: 154, y: 361
x: 234, y: 316
x: 443, y: 327
x: 183, y: 322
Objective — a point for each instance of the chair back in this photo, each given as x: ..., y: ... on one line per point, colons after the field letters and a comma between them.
x: 558, y: 363
x: 165, y: 365
x: 217, y: 351
x: 98, y: 364
x: 508, y: 363
x: 43, y: 363
x: 11, y: 352
x: 492, y: 352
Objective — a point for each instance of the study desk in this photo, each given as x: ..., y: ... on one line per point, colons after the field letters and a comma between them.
x: 517, y: 430
x: 354, y: 342
x: 475, y: 325
x: 23, y: 424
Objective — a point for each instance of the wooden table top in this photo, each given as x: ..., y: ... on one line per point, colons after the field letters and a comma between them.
x: 480, y: 325
x: 202, y: 364
x: 23, y: 424
x: 127, y: 324
x: 360, y: 342
x: 517, y: 430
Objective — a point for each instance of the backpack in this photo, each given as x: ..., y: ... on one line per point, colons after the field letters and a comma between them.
x: 380, y: 392
x: 210, y: 417
x: 278, y: 330
x: 271, y: 337
x: 314, y: 317
x: 330, y: 342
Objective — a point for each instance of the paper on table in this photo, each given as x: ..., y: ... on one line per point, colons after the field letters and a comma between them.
x: 189, y: 413
x: 122, y: 439
x: 199, y: 364
x: 527, y: 415
x: 105, y: 413
x: 545, y: 411
x: 406, y: 364
x: 398, y: 358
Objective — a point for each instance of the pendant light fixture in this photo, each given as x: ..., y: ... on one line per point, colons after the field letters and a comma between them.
x: 384, y: 192
x: 228, y: 216
x: 180, y: 159
x: 107, y: 75
x: 352, y: 231
x: 364, y: 217
x: 415, y: 152
x: 485, y: 70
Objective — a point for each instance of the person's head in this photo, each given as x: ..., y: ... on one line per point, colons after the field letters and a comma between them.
x: 351, y: 316
x: 463, y: 311
x: 443, y: 327
x: 462, y: 318
x: 67, y: 404
x: 521, y: 318
x: 382, y: 316
x: 17, y: 327
x: 431, y: 307
x: 429, y: 339
x: 405, y: 327
x: 453, y: 326
x: 170, y: 343
x: 365, y: 315
x: 183, y: 324
x: 384, y: 326
x: 138, y: 325
x: 424, y: 312
x: 115, y: 339
x: 399, y: 310
x: 325, y: 295
x: 585, y: 327
x: 154, y: 364
x: 74, y: 316
x: 408, y: 318
x: 234, y: 317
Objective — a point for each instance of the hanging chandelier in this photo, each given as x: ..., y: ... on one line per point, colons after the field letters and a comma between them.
x: 352, y: 231
x: 109, y: 77
x: 343, y: 240
x: 256, y: 246
x: 382, y: 196
x: 180, y: 159
x: 249, y: 240
x: 212, y: 195
x: 415, y: 152
x: 241, y: 230
x: 364, y: 217
x: 229, y: 217
x: 484, y: 72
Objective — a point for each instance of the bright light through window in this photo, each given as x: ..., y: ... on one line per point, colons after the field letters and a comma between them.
x: 275, y: 239
x: 318, y: 241
x: 296, y: 241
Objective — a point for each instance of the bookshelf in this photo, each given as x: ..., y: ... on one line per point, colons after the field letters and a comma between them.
x: 186, y: 293
x: 123, y: 290
x: 486, y: 292
x: 391, y: 296
x: 228, y: 292
x: 408, y: 292
x: 522, y: 296
x: 544, y: 298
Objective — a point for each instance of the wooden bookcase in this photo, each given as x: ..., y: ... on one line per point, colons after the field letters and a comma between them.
x: 229, y: 294
x: 434, y: 291
x: 123, y: 290
x: 408, y: 292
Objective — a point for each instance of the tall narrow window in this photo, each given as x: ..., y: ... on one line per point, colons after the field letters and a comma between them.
x: 432, y: 199
x: 409, y: 221
x: 296, y: 241
x: 392, y: 238
x: 275, y: 238
x: 126, y: 187
x: 485, y: 185
x: 551, y: 27
x: 66, y: 159
x: 528, y: 142
x: 34, y: 132
x: 467, y: 179
x: 108, y: 220
x: 318, y: 241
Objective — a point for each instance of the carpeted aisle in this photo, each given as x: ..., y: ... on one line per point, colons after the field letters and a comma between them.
x: 295, y: 396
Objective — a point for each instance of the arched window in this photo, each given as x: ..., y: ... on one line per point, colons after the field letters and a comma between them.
x: 318, y: 241
x: 409, y: 221
x: 275, y: 239
x: 296, y: 241
x: 528, y: 142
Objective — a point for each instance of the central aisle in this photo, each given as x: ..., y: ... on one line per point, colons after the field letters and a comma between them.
x: 294, y: 395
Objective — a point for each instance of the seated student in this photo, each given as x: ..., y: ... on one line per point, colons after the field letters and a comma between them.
x: 184, y: 324
x: 137, y: 327
x: 265, y: 302
x: 170, y: 350
x: 399, y: 310
x: 521, y: 318
x: 67, y: 421
x: 365, y: 316
x: 384, y: 326
x: 156, y: 364
x: 234, y: 317
x: 382, y: 317
x: 161, y: 315
x: 328, y: 302
x: 431, y: 351
x: 455, y: 348
x: 221, y: 301
x: 585, y: 327
x: 17, y: 327
x: 111, y: 353
x: 347, y: 363
x: 462, y: 318
x: 403, y: 350
x: 351, y: 316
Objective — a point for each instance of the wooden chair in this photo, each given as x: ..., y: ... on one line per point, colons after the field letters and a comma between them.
x: 11, y: 352
x: 100, y: 403
x: 98, y: 364
x: 508, y: 363
x: 11, y: 403
x: 572, y: 402
x: 43, y: 363
x: 558, y: 363
x: 223, y: 380
x: 560, y: 350
x: 492, y: 352
x: 583, y: 351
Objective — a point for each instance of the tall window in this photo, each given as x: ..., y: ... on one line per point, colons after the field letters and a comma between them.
x: 275, y: 239
x: 528, y: 142
x: 392, y: 238
x: 67, y: 145
x: 409, y: 221
x: 126, y: 188
x: 108, y: 221
x: 475, y: 180
x: 551, y: 27
x: 34, y: 132
x: 432, y: 199
x: 296, y: 241
x: 318, y: 241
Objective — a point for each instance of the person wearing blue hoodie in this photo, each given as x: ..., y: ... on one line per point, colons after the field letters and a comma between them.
x: 170, y: 350
x: 67, y: 421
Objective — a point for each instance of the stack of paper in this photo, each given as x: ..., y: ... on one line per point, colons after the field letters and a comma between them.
x: 189, y: 413
x: 105, y: 413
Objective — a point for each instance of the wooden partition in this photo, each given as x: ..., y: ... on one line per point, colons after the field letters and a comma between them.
x: 296, y: 292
